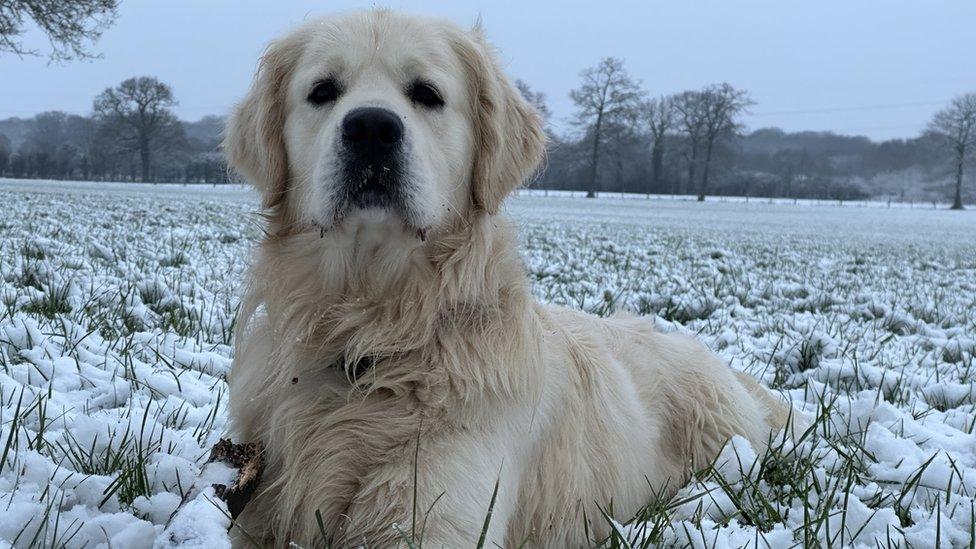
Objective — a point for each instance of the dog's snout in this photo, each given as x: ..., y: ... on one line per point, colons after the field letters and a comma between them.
x: 372, y: 164
x: 372, y: 129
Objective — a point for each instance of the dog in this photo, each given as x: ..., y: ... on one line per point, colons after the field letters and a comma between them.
x: 389, y: 354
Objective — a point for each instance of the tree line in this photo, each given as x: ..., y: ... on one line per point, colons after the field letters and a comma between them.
x: 693, y: 143
x: 131, y: 135
x: 621, y: 140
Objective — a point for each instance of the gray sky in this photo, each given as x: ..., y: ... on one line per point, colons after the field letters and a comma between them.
x: 873, y: 67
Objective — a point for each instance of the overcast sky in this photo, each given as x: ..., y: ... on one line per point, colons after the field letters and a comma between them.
x: 873, y: 67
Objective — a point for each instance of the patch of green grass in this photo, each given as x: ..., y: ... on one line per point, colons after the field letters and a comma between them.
x: 53, y: 302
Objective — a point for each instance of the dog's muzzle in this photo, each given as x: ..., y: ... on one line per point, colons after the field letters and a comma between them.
x: 372, y: 157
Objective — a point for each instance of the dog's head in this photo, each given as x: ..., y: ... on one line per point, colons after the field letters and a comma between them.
x: 380, y: 118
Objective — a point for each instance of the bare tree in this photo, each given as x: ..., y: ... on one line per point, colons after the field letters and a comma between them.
x: 660, y: 117
x: 535, y: 98
x: 706, y: 118
x: 5, y: 151
x: 80, y: 132
x: 48, y: 131
x: 956, y: 126
x: 606, y: 95
x: 721, y: 106
x: 142, y: 106
x: 689, y: 107
x: 43, y: 142
x: 70, y: 25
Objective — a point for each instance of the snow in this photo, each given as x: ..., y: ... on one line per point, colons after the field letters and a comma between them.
x: 117, y: 304
x: 203, y: 522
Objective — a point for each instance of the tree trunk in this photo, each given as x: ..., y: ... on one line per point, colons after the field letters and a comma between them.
x: 957, y: 202
x: 145, y: 157
x: 789, y: 184
x: 704, y: 184
x: 620, y: 176
x: 657, y: 163
x: 595, y: 159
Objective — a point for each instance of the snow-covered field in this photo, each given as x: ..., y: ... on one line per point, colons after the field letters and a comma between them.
x: 117, y: 303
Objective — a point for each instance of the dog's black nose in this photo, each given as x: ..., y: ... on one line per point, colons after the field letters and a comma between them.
x: 372, y: 130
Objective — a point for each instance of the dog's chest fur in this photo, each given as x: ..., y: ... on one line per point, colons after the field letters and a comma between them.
x: 430, y: 357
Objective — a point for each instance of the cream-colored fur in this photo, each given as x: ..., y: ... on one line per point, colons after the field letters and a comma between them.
x: 471, y: 375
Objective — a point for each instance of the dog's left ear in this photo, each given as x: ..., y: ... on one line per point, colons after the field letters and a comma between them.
x: 509, y: 136
x: 254, y: 140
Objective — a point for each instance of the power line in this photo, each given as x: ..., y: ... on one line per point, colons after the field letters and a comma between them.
x: 852, y: 109
x: 918, y: 126
x: 221, y: 108
x: 882, y: 128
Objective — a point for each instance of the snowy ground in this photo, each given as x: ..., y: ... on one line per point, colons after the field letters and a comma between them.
x: 117, y: 304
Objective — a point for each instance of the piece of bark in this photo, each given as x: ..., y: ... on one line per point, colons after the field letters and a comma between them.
x: 248, y: 459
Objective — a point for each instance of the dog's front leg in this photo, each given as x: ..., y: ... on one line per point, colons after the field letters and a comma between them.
x: 443, y: 500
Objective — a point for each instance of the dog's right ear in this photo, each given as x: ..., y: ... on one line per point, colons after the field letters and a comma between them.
x: 509, y: 136
x: 254, y: 141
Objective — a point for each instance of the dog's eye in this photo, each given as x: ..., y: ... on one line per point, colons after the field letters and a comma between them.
x: 424, y: 93
x: 326, y: 91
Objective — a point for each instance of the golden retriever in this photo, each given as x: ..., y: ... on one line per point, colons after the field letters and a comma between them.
x: 390, y: 355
